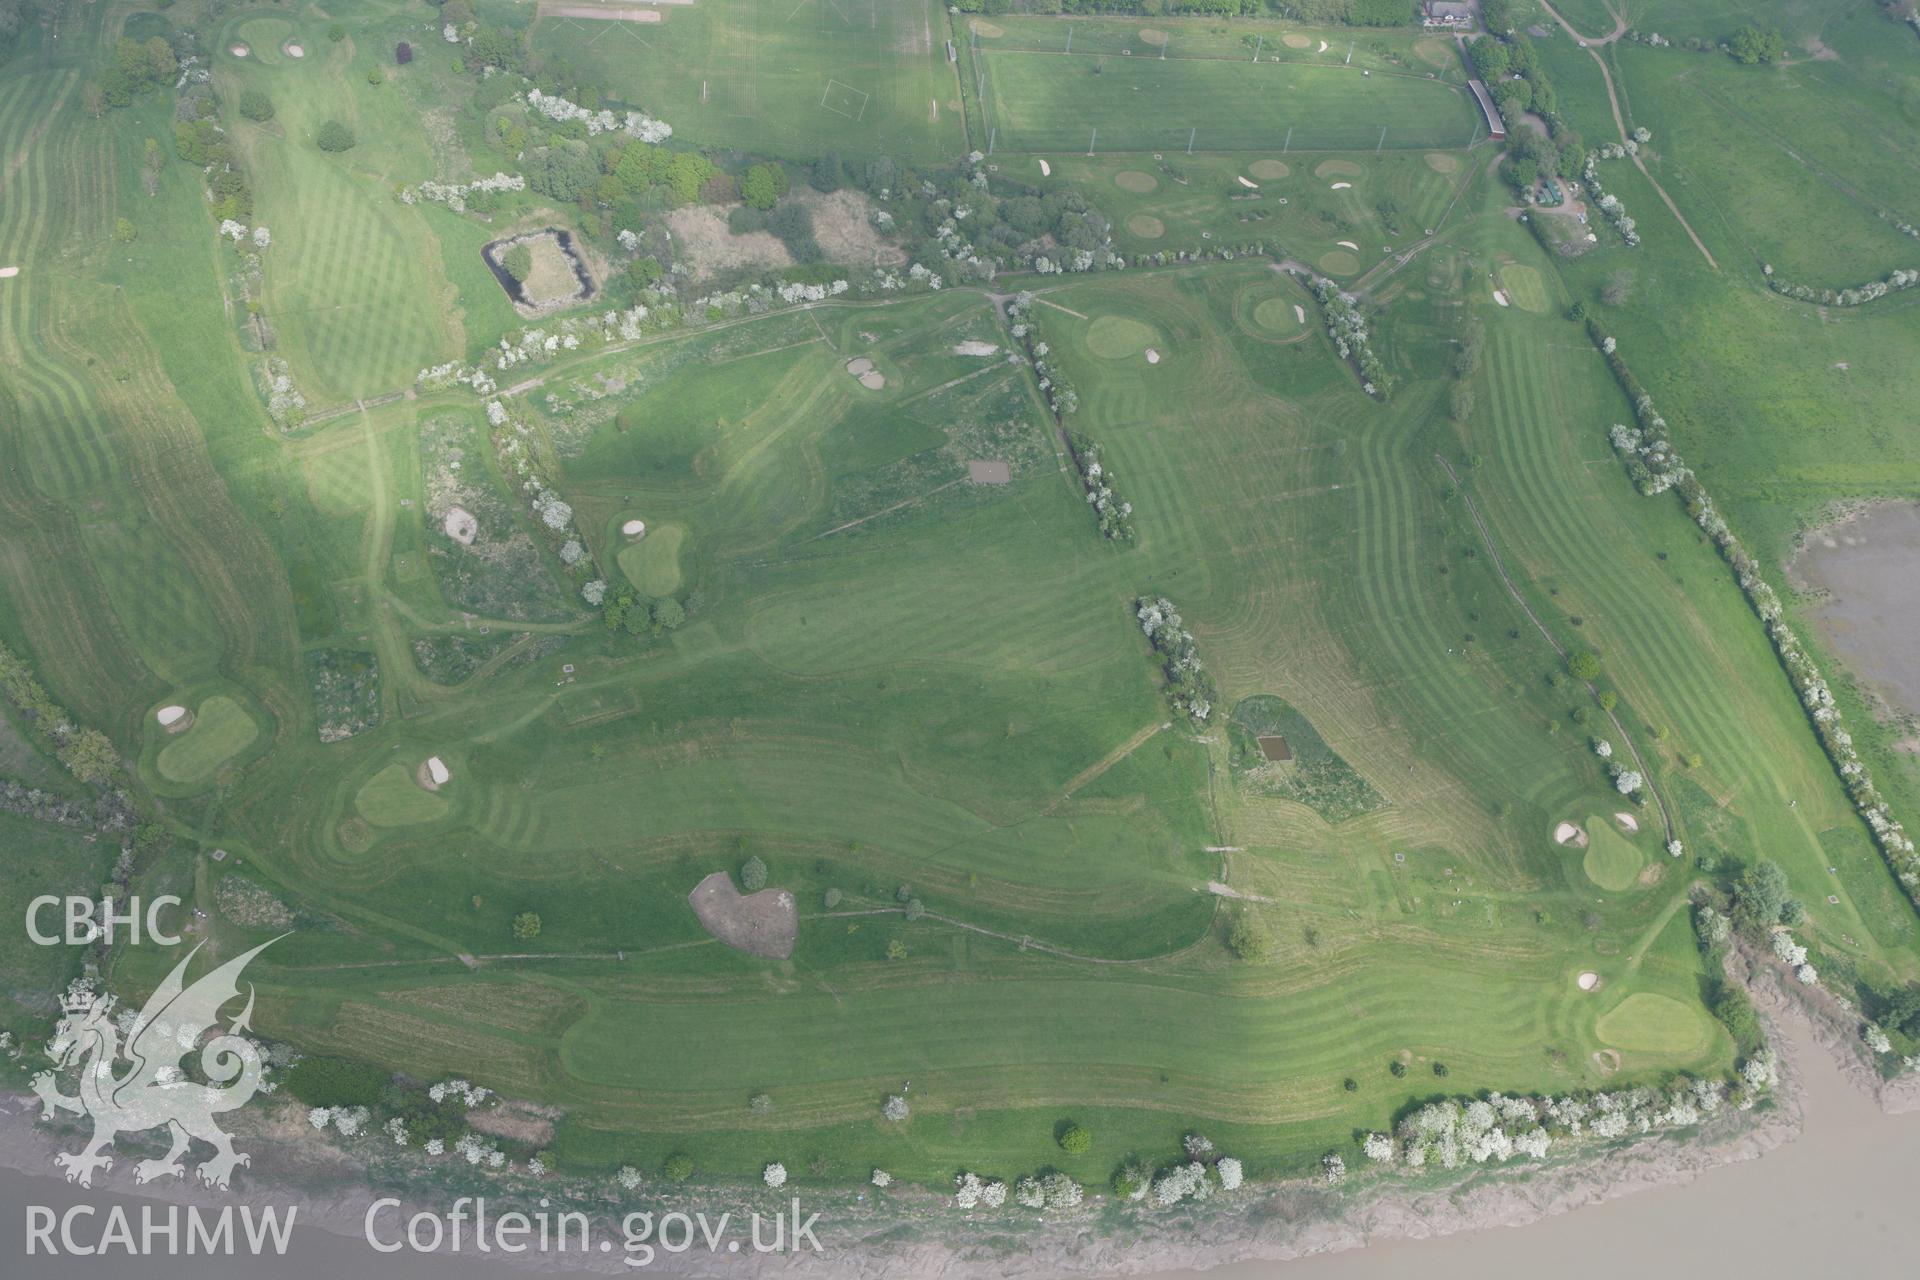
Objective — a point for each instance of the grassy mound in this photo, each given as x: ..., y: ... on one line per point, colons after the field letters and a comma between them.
x: 652, y: 564
x: 1316, y: 776
x: 221, y: 730
x: 391, y: 798
x: 1339, y: 262
x: 1613, y: 862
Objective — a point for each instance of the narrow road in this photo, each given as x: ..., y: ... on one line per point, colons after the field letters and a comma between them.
x: 1499, y: 567
x: 1620, y: 123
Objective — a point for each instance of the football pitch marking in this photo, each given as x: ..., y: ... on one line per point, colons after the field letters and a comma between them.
x: 843, y: 103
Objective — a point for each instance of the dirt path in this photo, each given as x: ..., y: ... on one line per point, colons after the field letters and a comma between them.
x: 1499, y: 567
x: 1107, y: 762
x: 885, y: 511
x: 1620, y: 123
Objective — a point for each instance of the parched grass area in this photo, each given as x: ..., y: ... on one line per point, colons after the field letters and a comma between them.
x: 860, y: 77
x: 221, y: 729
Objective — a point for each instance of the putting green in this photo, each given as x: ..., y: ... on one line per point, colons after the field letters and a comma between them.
x: 1120, y: 337
x: 1612, y: 862
x: 221, y: 730
x: 392, y: 798
x: 1276, y: 315
x: 1338, y: 169
x: 1146, y: 226
x: 1339, y: 262
x: 1651, y: 1023
x: 1525, y: 288
x: 652, y: 564
x: 1135, y: 181
x: 1269, y: 169
x: 1441, y: 162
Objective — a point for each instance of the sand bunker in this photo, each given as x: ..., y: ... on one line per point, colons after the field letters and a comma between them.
x: 1500, y: 297
x: 1249, y: 185
x: 433, y: 773
x: 1347, y: 244
x: 989, y: 472
x: 174, y: 719
x: 760, y: 924
x: 239, y: 51
x: 1341, y: 186
x: 859, y: 365
x: 634, y: 529
x: 1322, y: 48
x: 873, y: 380
x: 1567, y: 833
x: 1589, y: 980
x: 1299, y: 313
x: 1046, y: 170
x: 461, y: 526
x: 293, y: 51
x: 1628, y: 821
x: 1153, y: 357
x: 975, y: 349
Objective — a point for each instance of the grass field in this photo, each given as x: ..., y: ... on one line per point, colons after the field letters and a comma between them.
x: 1093, y: 103
x: 860, y: 77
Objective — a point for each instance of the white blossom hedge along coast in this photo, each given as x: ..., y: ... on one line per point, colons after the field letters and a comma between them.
x: 1656, y: 467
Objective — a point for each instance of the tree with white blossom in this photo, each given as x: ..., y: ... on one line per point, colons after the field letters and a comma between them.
x: 774, y: 1175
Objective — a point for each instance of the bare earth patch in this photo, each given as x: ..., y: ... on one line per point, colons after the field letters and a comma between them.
x: 843, y: 224
x: 760, y: 924
x: 518, y: 1122
x: 989, y: 473
x: 552, y: 277
x: 706, y: 243
x: 609, y: 13
x: 461, y: 526
x: 971, y: 348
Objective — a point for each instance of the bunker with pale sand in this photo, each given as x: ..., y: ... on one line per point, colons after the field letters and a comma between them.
x: 634, y: 529
x: 461, y: 525
x: 434, y: 773
x: 174, y: 719
x: 1589, y: 980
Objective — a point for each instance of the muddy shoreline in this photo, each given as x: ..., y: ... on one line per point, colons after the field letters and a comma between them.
x: 1295, y: 1220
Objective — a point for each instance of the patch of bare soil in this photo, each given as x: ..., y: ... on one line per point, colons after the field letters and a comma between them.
x: 1274, y: 747
x: 709, y: 247
x: 760, y: 924
x: 609, y: 13
x: 989, y: 472
x: 552, y: 277
x: 843, y: 224
x: 518, y: 1122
